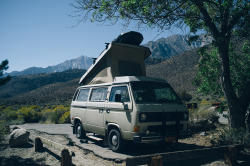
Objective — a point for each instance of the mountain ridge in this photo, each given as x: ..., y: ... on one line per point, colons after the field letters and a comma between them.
x: 165, y: 48
x: 82, y: 62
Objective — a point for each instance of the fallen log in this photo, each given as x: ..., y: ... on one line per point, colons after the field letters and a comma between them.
x: 66, y: 154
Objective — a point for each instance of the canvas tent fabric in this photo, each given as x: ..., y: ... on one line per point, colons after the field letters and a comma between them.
x: 118, y: 59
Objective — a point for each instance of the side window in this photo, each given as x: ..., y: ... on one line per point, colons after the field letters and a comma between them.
x: 99, y: 94
x: 83, y: 95
x: 122, y: 90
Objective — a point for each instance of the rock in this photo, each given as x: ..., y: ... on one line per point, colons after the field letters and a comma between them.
x: 16, y: 127
x: 203, y: 133
x: 19, y: 137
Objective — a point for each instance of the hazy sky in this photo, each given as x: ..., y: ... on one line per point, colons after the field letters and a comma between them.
x: 40, y: 33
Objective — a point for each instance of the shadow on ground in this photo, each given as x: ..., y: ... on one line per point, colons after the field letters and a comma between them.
x: 148, y: 149
x: 15, y: 160
x: 133, y: 149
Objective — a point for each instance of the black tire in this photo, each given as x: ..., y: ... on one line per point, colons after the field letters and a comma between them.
x: 166, y: 145
x: 115, y: 141
x: 79, y: 131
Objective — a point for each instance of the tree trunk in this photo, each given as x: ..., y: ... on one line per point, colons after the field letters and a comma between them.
x: 236, y: 112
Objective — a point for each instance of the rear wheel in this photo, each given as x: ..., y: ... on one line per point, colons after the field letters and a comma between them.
x: 80, y: 133
x: 115, y: 141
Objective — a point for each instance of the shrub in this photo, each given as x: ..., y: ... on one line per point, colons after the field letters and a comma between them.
x: 209, y: 114
x: 4, y: 129
x: 202, y: 119
x: 204, y: 112
x: 30, y: 114
x: 186, y: 97
x: 230, y: 136
x: 46, y: 113
x: 65, y: 118
x: 53, y: 115
x: 35, y: 114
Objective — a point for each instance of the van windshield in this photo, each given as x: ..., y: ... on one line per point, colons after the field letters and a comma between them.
x: 155, y: 92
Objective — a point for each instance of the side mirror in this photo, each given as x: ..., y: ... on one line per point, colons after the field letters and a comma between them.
x: 118, y: 98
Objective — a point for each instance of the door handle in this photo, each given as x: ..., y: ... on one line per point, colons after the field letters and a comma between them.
x: 100, y: 111
x: 108, y: 111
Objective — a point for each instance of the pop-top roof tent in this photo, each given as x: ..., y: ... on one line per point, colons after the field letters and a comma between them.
x: 122, y: 57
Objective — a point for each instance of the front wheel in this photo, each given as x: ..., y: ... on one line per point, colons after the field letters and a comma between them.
x: 115, y: 141
x: 80, y: 133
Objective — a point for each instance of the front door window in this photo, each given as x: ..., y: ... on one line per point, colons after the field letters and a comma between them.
x: 122, y: 91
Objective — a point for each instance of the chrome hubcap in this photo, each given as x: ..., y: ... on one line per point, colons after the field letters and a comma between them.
x: 78, y: 130
x: 114, y: 140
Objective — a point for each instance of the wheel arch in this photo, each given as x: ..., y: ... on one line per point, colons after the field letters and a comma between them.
x: 114, y: 126
x: 76, y: 120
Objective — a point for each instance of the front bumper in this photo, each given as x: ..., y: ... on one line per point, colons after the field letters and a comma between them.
x: 158, y: 138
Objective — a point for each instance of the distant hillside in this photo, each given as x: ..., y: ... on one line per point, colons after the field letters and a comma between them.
x: 179, y: 70
x: 82, y: 62
x: 59, y: 93
x: 22, y: 88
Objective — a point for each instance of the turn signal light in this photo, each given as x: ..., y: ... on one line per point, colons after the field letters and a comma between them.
x: 136, y: 128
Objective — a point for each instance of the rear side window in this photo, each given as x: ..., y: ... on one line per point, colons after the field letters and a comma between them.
x: 83, y: 95
x: 99, y: 94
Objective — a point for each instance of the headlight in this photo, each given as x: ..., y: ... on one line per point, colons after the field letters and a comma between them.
x: 185, y: 116
x: 143, y: 117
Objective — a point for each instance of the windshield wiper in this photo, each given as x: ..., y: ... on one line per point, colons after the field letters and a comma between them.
x: 163, y: 100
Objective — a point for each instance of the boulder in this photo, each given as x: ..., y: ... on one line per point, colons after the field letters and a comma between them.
x: 18, y: 137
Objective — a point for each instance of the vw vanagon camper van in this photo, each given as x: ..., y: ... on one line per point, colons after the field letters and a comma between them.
x: 138, y: 109
x: 118, y: 102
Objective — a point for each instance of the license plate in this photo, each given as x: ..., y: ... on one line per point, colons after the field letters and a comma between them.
x: 170, y: 139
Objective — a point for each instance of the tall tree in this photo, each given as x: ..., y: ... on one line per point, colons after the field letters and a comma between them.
x: 222, y: 19
x: 4, y: 66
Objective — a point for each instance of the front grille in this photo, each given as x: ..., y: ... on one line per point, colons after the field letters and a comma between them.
x: 169, y: 128
x: 163, y: 116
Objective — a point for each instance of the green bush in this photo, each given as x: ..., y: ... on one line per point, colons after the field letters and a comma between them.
x: 30, y: 114
x: 65, y: 118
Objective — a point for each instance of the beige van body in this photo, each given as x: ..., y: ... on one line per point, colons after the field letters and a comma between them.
x: 132, y: 108
x: 118, y: 102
